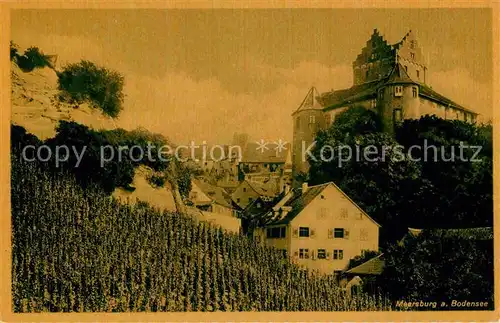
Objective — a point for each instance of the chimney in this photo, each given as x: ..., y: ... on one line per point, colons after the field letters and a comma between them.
x: 304, y: 187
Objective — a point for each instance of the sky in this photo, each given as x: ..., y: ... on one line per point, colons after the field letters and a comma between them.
x: 206, y: 74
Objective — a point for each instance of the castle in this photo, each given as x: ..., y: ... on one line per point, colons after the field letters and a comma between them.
x: 391, y: 80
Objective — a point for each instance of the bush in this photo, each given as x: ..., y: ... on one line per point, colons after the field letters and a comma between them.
x: 33, y: 58
x: 87, y: 82
x: 157, y: 180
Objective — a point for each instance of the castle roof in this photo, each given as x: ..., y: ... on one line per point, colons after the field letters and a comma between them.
x: 356, y: 93
x: 366, y: 91
x: 310, y: 101
x: 399, y: 75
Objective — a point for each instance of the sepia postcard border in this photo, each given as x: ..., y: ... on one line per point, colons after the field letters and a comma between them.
x: 6, y: 314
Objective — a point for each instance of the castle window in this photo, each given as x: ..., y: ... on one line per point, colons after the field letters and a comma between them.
x: 397, y: 115
x: 312, y: 119
x: 418, y: 74
x: 414, y: 91
x: 398, y: 90
x: 412, y: 55
x: 338, y: 254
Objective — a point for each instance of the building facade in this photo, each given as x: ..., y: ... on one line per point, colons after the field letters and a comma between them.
x: 391, y: 80
x: 319, y: 227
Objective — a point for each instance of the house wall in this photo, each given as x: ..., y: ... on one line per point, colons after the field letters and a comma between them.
x: 222, y: 210
x: 227, y: 222
x: 304, y: 132
x: 243, y: 193
x: 333, y: 210
x: 196, y: 194
x: 329, y: 210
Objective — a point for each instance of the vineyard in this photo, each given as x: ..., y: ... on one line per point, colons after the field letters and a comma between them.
x: 76, y: 250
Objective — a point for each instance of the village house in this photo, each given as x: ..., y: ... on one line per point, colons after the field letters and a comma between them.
x: 249, y: 191
x: 258, y: 164
x: 212, y: 204
x: 319, y: 227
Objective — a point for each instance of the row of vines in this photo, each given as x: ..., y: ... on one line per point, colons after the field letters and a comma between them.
x: 78, y: 250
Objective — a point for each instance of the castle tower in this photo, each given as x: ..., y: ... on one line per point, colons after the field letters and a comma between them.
x: 398, y: 98
x: 308, y: 119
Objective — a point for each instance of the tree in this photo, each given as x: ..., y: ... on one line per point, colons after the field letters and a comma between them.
x: 392, y: 181
x: 433, y: 267
x: 85, y: 81
x: 379, y: 180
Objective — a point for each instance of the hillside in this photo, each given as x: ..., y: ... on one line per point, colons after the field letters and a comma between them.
x: 78, y: 250
x: 35, y: 106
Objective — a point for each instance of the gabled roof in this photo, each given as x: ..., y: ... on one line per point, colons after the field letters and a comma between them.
x: 300, y: 200
x: 263, y: 189
x: 310, y: 101
x: 374, y: 266
x: 216, y: 194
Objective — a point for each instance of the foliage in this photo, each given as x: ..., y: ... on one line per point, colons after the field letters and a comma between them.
x: 76, y: 250
x: 433, y: 267
x: 157, y: 180
x: 117, y: 169
x: 451, y: 193
x: 400, y: 192
x: 378, y: 182
x: 87, y: 82
x: 32, y: 58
